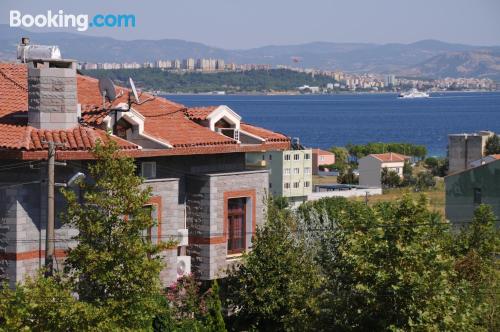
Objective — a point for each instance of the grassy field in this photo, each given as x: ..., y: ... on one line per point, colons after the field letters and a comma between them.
x: 324, y: 179
x: 436, y: 196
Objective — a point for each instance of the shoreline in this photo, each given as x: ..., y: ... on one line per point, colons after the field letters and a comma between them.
x: 163, y: 93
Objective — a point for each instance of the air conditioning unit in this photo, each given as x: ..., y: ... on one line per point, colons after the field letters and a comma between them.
x: 183, y: 237
x: 183, y: 266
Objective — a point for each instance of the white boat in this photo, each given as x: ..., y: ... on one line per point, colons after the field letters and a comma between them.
x: 413, y: 93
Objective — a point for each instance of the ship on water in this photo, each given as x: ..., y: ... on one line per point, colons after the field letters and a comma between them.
x: 413, y: 93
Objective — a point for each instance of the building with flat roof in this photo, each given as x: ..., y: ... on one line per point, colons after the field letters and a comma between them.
x: 466, y: 148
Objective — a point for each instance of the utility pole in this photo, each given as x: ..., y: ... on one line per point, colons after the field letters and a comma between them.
x: 50, y: 234
x: 49, y: 238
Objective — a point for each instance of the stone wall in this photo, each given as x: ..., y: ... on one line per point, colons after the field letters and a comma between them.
x: 207, y: 197
x: 52, y: 97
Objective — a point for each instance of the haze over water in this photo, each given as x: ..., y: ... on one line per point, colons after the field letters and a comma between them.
x: 326, y: 120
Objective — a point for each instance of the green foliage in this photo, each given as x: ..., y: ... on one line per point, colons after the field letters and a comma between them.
x: 274, y: 289
x: 361, y: 150
x: 341, y: 155
x: 347, y: 176
x: 113, y: 264
x: 390, y: 179
x: 437, y: 166
x: 492, y: 145
x: 476, y: 247
x: 46, y: 304
x: 253, y: 80
x: 186, y: 308
x: 385, y: 268
x: 424, y: 181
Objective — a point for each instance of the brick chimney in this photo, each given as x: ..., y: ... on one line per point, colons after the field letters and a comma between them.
x: 52, y: 94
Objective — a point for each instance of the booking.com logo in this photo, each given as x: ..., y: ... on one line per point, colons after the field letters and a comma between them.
x: 80, y: 22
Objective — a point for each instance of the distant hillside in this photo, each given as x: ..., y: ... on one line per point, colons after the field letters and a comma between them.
x: 460, y: 64
x: 194, y: 82
x: 351, y: 57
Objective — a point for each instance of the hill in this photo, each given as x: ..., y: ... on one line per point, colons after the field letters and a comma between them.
x: 392, y: 58
x: 194, y: 82
x: 460, y: 64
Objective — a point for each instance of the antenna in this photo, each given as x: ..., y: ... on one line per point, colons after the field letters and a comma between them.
x: 136, y: 95
x: 134, y: 90
x: 107, y: 90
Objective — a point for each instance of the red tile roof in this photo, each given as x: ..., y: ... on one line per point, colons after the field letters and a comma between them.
x: 166, y: 121
x: 390, y: 157
x: 321, y: 152
x: 268, y: 135
x: 199, y: 113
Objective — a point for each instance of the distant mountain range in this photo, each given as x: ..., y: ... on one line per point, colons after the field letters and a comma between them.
x: 428, y: 58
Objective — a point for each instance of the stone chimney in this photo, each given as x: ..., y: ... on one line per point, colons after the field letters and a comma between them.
x: 52, y: 94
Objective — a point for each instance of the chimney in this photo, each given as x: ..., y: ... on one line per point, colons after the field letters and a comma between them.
x: 52, y: 95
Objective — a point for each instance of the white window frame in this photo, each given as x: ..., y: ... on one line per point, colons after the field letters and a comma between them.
x: 296, y: 156
x: 286, y: 171
x: 296, y: 171
x: 152, y: 164
x: 296, y: 185
x: 286, y: 156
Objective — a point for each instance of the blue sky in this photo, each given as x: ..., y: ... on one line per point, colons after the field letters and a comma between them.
x: 253, y: 23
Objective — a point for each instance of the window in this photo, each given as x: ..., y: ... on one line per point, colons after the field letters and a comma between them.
x: 296, y: 184
x: 286, y: 156
x: 477, y: 196
x: 306, y: 184
x: 307, y: 156
x: 322, y: 158
x: 286, y: 171
x: 270, y: 157
x: 148, y: 169
x: 270, y: 184
x: 286, y: 185
x: 296, y: 156
x: 236, y: 220
x: 307, y: 170
x: 296, y: 170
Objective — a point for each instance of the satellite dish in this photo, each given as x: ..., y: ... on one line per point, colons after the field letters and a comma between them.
x: 107, y: 89
x: 134, y: 90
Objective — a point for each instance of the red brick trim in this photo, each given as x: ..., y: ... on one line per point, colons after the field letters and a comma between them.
x: 239, y: 194
x: 251, y: 193
x: 156, y: 200
x: 33, y: 254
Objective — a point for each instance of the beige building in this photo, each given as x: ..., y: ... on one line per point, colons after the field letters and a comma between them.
x: 371, y: 166
x: 290, y: 172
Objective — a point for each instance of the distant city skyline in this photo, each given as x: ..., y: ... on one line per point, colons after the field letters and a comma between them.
x: 234, y: 24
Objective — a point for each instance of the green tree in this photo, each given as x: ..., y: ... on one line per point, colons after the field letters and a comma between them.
x: 390, y: 179
x: 47, y: 304
x: 424, y: 181
x: 348, y: 177
x: 492, y: 145
x: 214, y: 322
x: 387, y: 268
x: 341, y: 157
x: 114, y: 265
x: 476, y: 247
x: 274, y: 289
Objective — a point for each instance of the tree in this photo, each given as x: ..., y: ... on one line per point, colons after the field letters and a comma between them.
x: 476, y: 247
x: 185, y: 308
x: 341, y: 154
x: 46, y: 304
x: 387, y: 268
x: 390, y: 179
x: 424, y: 181
x: 114, y: 265
x: 274, y: 289
x: 492, y: 145
x: 348, y: 177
